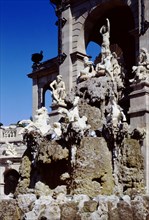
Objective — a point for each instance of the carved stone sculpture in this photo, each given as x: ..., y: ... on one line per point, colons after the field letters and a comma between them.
x: 72, y: 113
x: 115, y: 115
x: 10, y: 150
x: 58, y: 90
x: 41, y: 124
x: 88, y: 70
x: 142, y: 70
x: 105, y: 32
x: 55, y: 132
x: 105, y: 67
x: 76, y: 125
x: 118, y: 75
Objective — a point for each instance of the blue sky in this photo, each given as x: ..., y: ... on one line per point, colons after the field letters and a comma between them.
x: 26, y: 27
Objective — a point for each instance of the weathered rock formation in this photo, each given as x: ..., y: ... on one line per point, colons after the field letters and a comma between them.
x: 94, y: 153
x: 92, y: 172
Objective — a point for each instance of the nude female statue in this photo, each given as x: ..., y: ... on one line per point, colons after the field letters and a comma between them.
x: 105, y: 32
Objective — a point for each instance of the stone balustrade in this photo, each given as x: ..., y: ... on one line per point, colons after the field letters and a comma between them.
x: 10, y: 134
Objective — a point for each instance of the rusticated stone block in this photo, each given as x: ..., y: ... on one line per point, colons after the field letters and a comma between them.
x: 90, y: 206
x: 68, y: 211
x: 125, y: 211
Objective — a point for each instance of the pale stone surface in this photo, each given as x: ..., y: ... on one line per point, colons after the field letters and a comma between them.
x: 142, y: 70
x: 58, y: 90
x: 41, y: 123
x: 71, y: 113
x: 42, y: 190
x: 25, y: 201
x: 115, y: 115
x: 76, y: 207
x: 105, y: 32
x: 10, y: 134
x: 88, y: 70
x: 80, y: 199
x: 105, y: 67
x: 10, y: 150
x: 44, y: 206
x: 141, y: 207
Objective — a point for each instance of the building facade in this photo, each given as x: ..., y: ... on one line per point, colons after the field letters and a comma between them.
x: 79, y: 23
x: 11, y: 151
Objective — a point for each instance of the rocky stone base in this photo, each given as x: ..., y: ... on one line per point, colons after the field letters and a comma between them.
x: 9, y: 209
x: 78, y: 207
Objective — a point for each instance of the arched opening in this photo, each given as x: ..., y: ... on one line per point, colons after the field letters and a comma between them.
x: 121, y: 25
x: 93, y: 49
x: 121, y: 40
x: 47, y: 97
x: 48, y: 100
x: 11, y: 178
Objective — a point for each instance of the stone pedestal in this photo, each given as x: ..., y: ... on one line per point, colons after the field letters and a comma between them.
x: 139, y: 117
x: 54, y: 116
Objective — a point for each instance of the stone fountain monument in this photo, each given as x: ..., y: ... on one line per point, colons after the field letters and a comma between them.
x: 88, y: 158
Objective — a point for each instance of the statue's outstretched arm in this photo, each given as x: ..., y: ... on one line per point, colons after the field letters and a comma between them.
x: 108, y: 24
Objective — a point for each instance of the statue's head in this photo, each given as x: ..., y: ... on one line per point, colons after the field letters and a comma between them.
x: 86, y: 59
x: 143, y: 50
x: 59, y: 78
x: 143, y: 55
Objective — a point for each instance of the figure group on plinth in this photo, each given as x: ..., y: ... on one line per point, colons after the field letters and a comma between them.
x: 58, y: 90
x: 105, y: 66
x: 141, y: 71
x: 108, y: 68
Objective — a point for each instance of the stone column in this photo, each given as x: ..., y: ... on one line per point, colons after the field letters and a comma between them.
x: 144, y: 16
x: 40, y: 96
x: 78, y: 64
x: 139, y: 117
x: 34, y: 97
x: 65, y: 68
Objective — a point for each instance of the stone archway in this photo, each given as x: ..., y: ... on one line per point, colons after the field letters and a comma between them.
x: 85, y: 26
x: 40, y: 79
x: 47, y: 103
x: 121, y: 25
x: 11, y: 177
